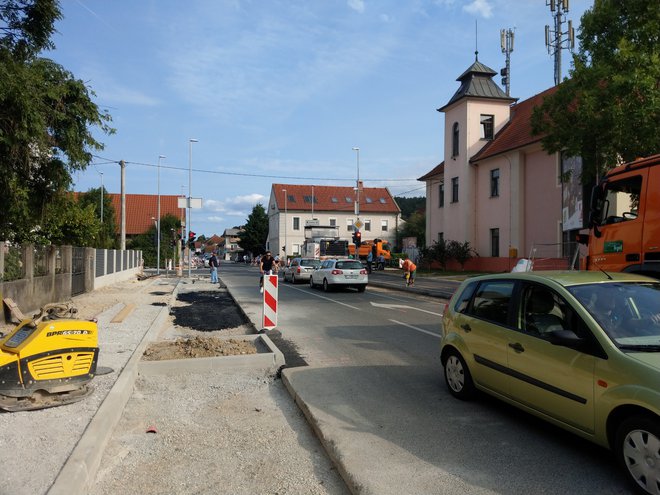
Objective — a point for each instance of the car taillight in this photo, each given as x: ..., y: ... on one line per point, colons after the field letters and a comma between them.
x: 363, y: 272
x: 298, y: 269
x: 336, y: 272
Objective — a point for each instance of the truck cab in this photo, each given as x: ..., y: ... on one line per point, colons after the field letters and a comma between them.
x: 625, y: 219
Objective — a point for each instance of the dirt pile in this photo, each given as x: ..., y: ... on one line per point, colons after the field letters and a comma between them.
x: 197, y: 347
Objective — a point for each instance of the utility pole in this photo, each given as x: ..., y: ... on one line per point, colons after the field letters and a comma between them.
x: 122, y: 164
x: 555, y: 39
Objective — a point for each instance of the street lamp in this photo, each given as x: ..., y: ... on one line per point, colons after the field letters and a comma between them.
x: 189, y: 222
x: 286, y: 226
x: 158, y: 224
x: 357, y: 187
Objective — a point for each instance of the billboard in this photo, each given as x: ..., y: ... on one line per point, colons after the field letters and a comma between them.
x: 572, y: 191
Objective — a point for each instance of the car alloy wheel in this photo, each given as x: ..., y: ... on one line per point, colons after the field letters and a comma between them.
x: 458, y: 378
x: 293, y: 279
x: 326, y: 287
x: 311, y: 282
x: 638, y: 450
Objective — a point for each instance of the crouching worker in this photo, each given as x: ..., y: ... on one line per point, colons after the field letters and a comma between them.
x: 409, y: 269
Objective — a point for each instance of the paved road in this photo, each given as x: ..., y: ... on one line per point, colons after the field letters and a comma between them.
x: 375, y: 395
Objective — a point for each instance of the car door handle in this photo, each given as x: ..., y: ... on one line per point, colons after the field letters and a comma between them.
x: 466, y: 327
x: 517, y: 347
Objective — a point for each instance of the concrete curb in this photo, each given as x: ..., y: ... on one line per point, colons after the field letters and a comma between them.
x: 79, y: 471
x: 330, y: 447
x: 273, y: 358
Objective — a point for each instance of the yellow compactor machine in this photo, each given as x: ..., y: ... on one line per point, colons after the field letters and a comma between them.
x: 48, y: 360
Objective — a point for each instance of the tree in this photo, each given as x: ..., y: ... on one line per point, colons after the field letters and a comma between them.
x: 461, y: 252
x: 45, y: 120
x: 409, y: 206
x: 415, y: 226
x: 107, y: 235
x: 255, y: 231
x: 609, y: 108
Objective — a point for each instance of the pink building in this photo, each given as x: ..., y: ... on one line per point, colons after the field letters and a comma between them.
x: 496, y: 188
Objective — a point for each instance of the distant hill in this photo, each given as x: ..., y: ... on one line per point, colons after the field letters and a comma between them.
x: 410, y: 205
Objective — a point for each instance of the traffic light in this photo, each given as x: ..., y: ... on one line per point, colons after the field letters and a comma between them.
x: 357, y: 238
x: 191, y: 239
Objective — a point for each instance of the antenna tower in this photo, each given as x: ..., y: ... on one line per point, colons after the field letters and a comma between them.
x: 557, y: 40
x: 506, y: 41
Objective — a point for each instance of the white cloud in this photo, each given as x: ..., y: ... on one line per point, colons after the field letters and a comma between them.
x: 479, y: 7
x: 356, y: 5
x: 237, y: 206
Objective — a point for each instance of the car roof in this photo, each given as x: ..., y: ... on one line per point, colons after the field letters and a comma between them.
x: 568, y: 278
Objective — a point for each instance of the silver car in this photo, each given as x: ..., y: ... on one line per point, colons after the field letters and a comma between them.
x: 300, y: 269
x: 340, y: 273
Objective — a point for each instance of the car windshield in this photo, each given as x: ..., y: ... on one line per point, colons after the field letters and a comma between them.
x: 628, y: 312
x: 313, y: 263
x: 349, y: 265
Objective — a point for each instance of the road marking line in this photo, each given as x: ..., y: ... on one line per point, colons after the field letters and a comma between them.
x: 309, y: 291
x: 403, y: 306
x: 416, y: 328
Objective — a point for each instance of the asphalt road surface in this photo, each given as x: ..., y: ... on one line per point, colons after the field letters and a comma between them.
x: 375, y: 387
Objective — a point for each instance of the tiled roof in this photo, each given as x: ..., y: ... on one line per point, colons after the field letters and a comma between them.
x: 334, y: 198
x: 439, y: 169
x: 477, y: 82
x: 140, y: 208
x: 518, y: 131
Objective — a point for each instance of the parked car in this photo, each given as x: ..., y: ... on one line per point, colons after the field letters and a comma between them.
x: 300, y: 269
x: 344, y: 273
x: 578, y: 349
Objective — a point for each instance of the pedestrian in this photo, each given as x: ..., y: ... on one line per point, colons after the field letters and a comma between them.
x: 266, y: 267
x: 213, y: 264
x: 370, y: 259
x: 381, y: 262
x: 409, y: 269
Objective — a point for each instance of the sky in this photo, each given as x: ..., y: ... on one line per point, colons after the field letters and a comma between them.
x: 281, y: 91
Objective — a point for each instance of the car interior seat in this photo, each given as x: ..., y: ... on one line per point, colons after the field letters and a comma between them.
x: 538, y: 314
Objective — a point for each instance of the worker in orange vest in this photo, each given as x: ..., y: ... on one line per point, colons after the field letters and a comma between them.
x: 409, y: 268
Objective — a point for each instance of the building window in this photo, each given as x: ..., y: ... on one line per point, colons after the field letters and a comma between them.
x: 369, y: 200
x: 349, y: 224
x: 441, y: 237
x: 333, y: 222
x: 441, y: 195
x: 454, y: 140
x: 291, y: 198
x: 367, y: 225
x: 495, y: 242
x: 296, y: 223
x: 383, y: 200
x: 487, y: 126
x: 334, y: 200
x: 454, y: 189
x: 308, y: 199
x: 349, y: 200
x: 494, y: 182
x: 383, y: 225
x: 296, y: 249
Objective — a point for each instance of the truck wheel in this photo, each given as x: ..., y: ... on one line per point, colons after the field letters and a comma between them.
x: 636, y: 449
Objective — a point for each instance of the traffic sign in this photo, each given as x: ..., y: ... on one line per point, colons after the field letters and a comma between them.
x: 358, y: 224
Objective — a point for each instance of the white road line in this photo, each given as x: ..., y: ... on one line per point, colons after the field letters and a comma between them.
x: 309, y: 291
x: 416, y: 328
x: 404, y: 306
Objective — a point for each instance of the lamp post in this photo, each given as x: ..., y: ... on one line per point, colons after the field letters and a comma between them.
x: 286, y: 225
x: 158, y: 221
x: 189, y: 221
x: 357, y: 186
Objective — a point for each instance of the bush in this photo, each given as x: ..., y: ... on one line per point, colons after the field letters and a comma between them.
x: 461, y: 252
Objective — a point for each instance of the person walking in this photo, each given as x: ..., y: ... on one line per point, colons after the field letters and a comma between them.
x: 370, y: 260
x: 213, y: 264
x: 266, y: 267
x: 409, y: 269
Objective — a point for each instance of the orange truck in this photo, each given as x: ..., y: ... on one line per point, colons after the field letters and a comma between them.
x: 624, y: 220
x: 382, y: 247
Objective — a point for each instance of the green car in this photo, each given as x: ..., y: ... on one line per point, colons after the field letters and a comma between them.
x: 578, y: 349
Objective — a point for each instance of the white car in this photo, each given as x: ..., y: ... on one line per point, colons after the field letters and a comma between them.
x: 300, y: 269
x: 340, y: 273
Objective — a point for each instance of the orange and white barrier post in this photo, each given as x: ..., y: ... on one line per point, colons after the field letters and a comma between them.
x: 269, y: 320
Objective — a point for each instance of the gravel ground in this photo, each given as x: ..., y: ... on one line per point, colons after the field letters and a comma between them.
x: 222, y: 432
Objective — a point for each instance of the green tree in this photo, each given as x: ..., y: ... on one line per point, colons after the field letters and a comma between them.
x: 460, y: 251
x: 67, y: 221
x: 415, y: 226
x: 147, y: 242
x: 409, y: 206
x: 609, y: 108
x: 255, y: 231
x: 107, y: 235
x: 46, y: 116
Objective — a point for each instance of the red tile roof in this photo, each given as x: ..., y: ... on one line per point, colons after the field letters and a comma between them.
x: 140, y: 208
x: 439, y: 169
x: 518, y: 131
x: 334, y: 198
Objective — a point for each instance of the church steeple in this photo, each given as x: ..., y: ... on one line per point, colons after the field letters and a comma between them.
x: 477, y: 82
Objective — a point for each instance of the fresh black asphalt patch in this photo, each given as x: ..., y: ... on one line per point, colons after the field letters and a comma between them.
x: 208, y: 311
